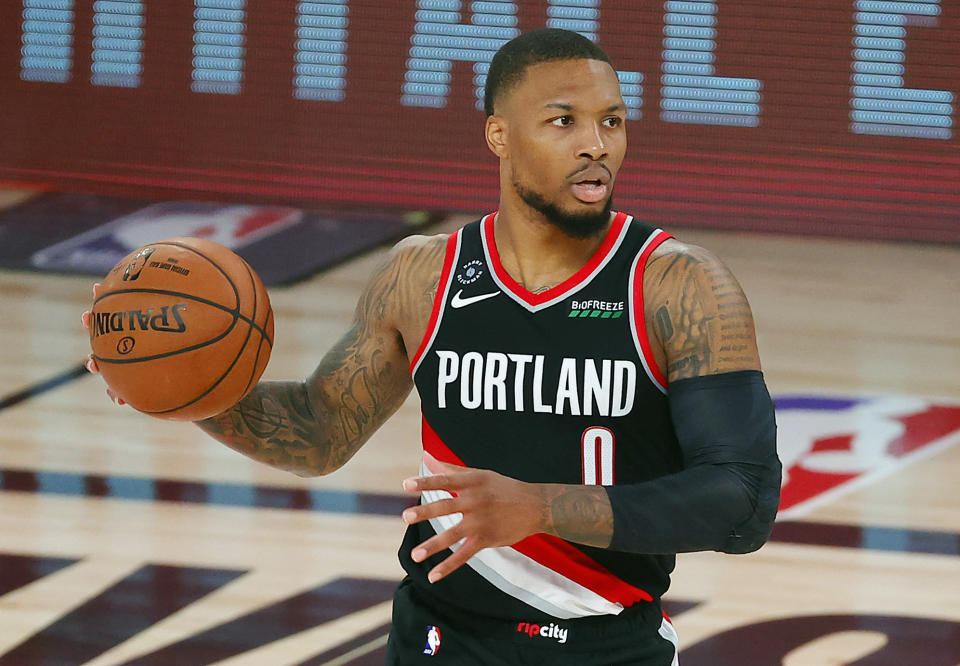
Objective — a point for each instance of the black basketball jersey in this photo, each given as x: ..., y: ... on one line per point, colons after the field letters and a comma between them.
x: 551, y: 387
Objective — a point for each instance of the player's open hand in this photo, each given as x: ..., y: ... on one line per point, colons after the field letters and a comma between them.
x: 91, y: 363
x: 496, y: 511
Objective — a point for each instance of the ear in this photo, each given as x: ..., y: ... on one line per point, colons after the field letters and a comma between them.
x: 495, y: 132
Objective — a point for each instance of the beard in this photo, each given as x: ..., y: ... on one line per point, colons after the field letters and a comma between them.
x: 575, y: 225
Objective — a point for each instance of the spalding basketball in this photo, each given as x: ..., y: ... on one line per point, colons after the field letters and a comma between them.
x: 181, y: 329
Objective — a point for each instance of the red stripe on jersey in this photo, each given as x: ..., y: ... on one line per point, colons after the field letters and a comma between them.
x: 542, y: 297
x: 438, y: 299
x: 433, y: 445
x: 571, y: 562
x: 550, y: 551
x: 639, y: 320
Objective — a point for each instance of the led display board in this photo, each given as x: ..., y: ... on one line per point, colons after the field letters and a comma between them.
x: 831, y: 117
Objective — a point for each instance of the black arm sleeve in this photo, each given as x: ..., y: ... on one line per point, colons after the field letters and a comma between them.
x: 726, y: 496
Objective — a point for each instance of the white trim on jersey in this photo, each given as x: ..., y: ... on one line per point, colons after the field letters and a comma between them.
x: 560, y: 297
x: 633, y: 329
x: 443, y: 304
x: 522, y: 577
x: 668, y: 632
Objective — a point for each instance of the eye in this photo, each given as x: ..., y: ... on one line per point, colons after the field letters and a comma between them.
x: 562, y: 121
x: 613, y: 121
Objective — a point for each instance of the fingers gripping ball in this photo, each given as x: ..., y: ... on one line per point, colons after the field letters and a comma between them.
x: 181, y: 329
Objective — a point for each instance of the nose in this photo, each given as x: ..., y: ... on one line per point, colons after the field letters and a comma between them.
x: 592, y: 145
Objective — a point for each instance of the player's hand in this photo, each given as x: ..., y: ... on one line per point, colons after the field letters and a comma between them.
x: 497, y: 511
x: 91, y: 363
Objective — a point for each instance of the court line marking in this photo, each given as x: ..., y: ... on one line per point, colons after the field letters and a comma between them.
x: 165, y: 491
x: 43, y: 386
x: 358, y: 651
x: 173, y: 491
x: 335, y: 501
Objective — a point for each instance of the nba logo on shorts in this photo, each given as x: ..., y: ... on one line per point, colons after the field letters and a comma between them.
x: 433, y: 640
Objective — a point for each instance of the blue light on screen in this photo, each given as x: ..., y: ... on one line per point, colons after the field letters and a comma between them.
x: 47, y: 42
x: 583, y: 16
x: 218, y: 51
x: 118, y: 27
x: 440, y: 37
x: 320, y: 68
x: 691, y: 92
x: 879, y: 104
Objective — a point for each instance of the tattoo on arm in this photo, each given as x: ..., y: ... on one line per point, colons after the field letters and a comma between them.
x: 314, y: 427
x: 275, y: 425
x: 699, y: 313
x: 578, y: 513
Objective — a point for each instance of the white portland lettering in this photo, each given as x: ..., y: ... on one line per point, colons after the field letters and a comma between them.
x: 521, y: 360
x: 446, y: 373
x: 471, y: 380
x: 567, y: 388
x: 602, y: 387
x: 596, y: 389
x: 538, y: 405
x: 495, y: 379
x: 624, y: 387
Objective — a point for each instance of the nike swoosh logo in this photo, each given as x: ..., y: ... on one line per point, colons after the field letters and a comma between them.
x: 459, y: 302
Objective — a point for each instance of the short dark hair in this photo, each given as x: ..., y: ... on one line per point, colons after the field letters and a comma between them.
x: 531, y: 48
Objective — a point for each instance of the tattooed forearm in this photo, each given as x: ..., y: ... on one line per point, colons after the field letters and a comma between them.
x: 316, y: 426
x: 275, y: 425
x: 697, y: 313
x: 578, y: 513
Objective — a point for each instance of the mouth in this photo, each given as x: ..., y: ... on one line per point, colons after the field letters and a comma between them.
x: 589, y: 191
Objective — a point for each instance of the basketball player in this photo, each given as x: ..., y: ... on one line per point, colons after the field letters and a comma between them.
x: 591, y: 393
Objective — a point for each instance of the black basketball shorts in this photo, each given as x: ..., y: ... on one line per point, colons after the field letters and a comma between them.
x: 432, y: 633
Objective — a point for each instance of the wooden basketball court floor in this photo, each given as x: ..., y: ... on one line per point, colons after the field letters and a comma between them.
x: 128, y: 540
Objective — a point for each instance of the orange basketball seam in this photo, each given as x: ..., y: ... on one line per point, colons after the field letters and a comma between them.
x: 212, y: 386
x: 236, y: 292
x: 245, y: 350
x: 233, y: 311
x: 184, y: 246
x: 206, y: 343
x: 250, y: 328
x: 253, y: 316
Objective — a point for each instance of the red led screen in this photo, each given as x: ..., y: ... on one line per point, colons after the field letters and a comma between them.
x: 828, y: 117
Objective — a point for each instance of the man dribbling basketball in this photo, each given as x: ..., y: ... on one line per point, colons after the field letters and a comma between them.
x: 591, y: 392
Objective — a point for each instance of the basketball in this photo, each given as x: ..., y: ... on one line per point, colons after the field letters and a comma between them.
x: 181, y: 329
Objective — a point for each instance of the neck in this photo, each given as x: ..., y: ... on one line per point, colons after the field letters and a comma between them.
x: 536, y: 253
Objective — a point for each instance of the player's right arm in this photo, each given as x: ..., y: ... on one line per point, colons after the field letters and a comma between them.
x: 313, y: 427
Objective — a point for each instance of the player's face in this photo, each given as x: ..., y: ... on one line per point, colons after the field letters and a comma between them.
x: 564, y: 141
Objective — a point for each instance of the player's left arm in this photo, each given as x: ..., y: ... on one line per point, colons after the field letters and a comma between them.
x: 725, y: 498
x: 726, y: 495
